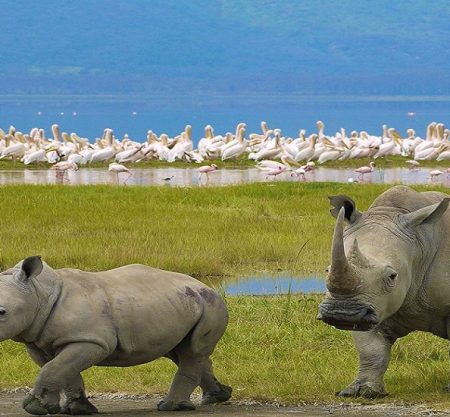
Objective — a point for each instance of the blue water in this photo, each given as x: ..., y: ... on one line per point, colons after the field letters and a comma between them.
x: 88, y: 116
x: 274, y: 285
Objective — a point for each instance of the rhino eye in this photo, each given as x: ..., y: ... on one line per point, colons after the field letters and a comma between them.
x: 2, y: 312
x: 393, y: 275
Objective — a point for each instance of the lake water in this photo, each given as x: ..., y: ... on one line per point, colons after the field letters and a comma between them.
x: 89, y: 115
x: 273, y: 285
x: 188, y: 177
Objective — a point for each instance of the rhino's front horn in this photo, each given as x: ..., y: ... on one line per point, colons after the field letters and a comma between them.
x: 342, y: 278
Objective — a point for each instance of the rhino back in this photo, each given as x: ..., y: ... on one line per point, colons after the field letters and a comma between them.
x: 140, y: 312
x: 406, y: 199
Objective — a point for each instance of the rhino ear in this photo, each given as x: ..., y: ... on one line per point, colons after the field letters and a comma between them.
x: 31, y: 268
x: 339, y: 201
x: 426, y: 215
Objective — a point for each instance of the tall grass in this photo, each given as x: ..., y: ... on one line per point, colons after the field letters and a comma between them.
x: 199, y: 231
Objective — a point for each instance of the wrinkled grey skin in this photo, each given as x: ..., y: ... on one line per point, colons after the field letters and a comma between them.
x: 70, y: 320
x: 389, y: 276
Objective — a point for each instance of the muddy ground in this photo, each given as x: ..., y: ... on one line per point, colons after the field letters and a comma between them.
x: 111, y: 406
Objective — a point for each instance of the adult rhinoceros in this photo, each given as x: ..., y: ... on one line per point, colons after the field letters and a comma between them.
x: 389, y: 276
x: 70, y: 320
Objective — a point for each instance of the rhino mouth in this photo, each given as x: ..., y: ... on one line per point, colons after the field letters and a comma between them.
x: 348, y: 315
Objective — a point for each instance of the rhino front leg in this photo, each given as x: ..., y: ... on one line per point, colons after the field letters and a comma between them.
x: 76, y: 399
x: 374, y: 354
x: 58, y: 373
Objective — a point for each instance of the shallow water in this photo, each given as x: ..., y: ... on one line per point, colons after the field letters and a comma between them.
x: 186, y: 177
x: 272, y: 285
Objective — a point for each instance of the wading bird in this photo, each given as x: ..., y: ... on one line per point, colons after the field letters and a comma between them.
x: 118, y: 169
x: 365, y: 170
x: 206, y: 169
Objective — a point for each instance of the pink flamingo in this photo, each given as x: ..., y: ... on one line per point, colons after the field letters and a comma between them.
x: 61, y: 169
x: 274, y: 172
x: 300, y: 172
x: 206, y: 169
x: 118, y: 169
x: 365, y: 170
x: 434, y: 174
x: 413, y: 165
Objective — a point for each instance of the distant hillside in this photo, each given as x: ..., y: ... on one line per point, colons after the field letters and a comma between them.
x: 177, y: 46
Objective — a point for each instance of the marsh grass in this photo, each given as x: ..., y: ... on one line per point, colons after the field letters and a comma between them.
x: 241, y: 162
x: 204, y: 232
x: 274, y: 348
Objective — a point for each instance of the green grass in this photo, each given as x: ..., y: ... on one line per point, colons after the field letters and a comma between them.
x: 199, y: 231
x: 205, y: 232
x: 274, y: 347
x: 241, y: 162
x: 390, y: 162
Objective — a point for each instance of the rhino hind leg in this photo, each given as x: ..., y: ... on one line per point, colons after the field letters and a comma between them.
x: 194, y: 365
x: 186, y: 379
x: 213, y: 391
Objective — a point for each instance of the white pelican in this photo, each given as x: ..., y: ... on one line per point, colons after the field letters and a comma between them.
x: 307, y: 153
x: 13, y: 150
x: 387, y: 148
x: 238, y: 148
x: 183, y: 146
x: 36, y: 155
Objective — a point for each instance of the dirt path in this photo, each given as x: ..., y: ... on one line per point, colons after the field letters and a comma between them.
x: 10, y: 406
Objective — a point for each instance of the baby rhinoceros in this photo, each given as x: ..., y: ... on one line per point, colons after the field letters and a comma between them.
x: 70, y: 320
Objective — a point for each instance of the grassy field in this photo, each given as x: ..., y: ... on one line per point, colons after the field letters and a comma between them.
x: 274, y: 347
x: 205, y: 232
x: 242, y: 162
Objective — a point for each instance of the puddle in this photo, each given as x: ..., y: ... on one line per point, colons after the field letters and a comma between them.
x: 187, y: 177
x: 274, y: 285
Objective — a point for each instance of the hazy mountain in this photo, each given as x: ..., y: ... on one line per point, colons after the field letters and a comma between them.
x: 176, y: 46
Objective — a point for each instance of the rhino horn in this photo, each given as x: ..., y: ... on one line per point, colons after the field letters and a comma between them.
x: 356, y: 257
x: 342, y: 277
